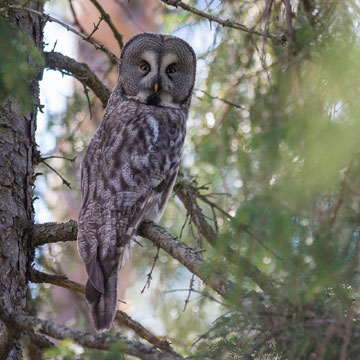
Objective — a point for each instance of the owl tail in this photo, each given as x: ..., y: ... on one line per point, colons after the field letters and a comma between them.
x: 103, y: 305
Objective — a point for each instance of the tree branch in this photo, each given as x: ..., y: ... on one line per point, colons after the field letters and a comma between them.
x: 121, y: 317
x: 86, y: 38
x: 227, y: 23
x: 187, y: 195
x: 107, y: 18
x: 54, y: 232
x: 187, y: 256
x: 190, y: 258
x: 80, y: 71
x: 288, y: 17
x: 22, y: 321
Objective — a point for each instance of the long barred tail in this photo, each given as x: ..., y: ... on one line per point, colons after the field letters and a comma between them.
x: 103, y: 305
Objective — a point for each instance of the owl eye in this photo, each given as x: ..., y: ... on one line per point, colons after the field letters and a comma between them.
x: 171, y: 69
x: 145, y: 67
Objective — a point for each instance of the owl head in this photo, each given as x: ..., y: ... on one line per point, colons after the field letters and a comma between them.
x: 158, y: 70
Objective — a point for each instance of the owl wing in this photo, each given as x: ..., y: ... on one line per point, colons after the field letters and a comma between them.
x: 119, y: 189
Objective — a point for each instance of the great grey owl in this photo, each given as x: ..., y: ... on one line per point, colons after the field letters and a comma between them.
x: 132, y: 161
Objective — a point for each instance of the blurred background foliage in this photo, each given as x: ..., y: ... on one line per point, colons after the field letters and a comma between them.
x: 20, y: 60
x: 273, y: 140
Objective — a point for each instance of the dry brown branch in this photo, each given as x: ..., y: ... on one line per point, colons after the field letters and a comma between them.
x: 65, y: 182
x: 226, y: 23
x: 80, y: 71
x: 121, y: 317
x: 96, y: 27
x: 187, y: 195
x: 22, y: 321
x: 54, y: 232
x: 191, y: 288
x: 241, y: 107
x: 190, y: 258
x: 40, y: 341
x: 202, y: 293
x: 288, y: 18
x: 107, y: 18
x: 183, y: 190
x: 334, y: 210
x: 149, y: 275
x: 84, y: 37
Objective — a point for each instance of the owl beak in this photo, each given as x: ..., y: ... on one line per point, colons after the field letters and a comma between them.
x: 156, y: 87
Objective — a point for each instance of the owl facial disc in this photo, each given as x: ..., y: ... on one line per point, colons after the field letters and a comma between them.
x: 158, y: 70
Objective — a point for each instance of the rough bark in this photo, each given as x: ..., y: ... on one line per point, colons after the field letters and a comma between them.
x: 17, y: 158
x: 121, y: 317
x: 80, y: 71
x: 100, y: 341
x: 189, y: 257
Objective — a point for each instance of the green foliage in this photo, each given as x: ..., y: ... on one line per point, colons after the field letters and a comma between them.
x: 290, y: 160
x: 16, y: 71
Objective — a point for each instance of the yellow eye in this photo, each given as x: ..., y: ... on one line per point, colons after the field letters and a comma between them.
x: 145, y: 67
x: 171, y: 69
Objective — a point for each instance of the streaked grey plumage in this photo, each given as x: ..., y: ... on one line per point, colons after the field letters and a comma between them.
x: 132, y: 161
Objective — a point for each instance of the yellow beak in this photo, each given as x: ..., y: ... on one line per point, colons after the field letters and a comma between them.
x: 156, y: 87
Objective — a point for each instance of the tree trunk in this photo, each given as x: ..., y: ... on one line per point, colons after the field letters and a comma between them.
x: 17, y: 158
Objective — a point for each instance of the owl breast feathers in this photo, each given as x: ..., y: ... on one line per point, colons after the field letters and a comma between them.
x: 132, y: 161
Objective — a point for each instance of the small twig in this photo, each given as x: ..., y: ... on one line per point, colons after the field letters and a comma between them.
x: 47, y: 17
x: 241, y: 107
x: 96, y: 27
x: 205, y: 199
x: 183, y: 226
x: 40, y: 341
x: 198, y: 292
x: 106, y: 17
x: 202, y: 336
x: 86, y: 92
x: 149, y: 275
x: 215, y: 219
x: 186, y: 198
x: 288, y: 17
x: 65, y: 182
x: 250, y: 354
x: 266, y: 13
x: 55, y: 43
x: 59, y: 157
x: 185, y: 191
x: 121, y: 317
x: 190, y: 289
x: 336, y: 207
x: 137, y: 242
x: 346, y: 335
x: 226, y: 23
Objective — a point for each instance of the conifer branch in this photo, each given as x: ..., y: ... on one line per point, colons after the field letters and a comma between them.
x: 101, y: 341
x: 81, y: 71
x: 121, y: 317
x: 84, y: 37
x: 225, y: 23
